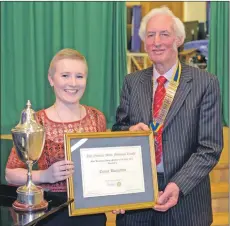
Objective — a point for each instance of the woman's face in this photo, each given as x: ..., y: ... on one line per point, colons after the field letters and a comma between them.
x: 69, y: 80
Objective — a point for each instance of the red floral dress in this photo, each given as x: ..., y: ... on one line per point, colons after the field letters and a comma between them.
x: 53, y: 151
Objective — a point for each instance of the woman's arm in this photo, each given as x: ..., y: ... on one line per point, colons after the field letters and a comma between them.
x: 16, y: 172
x: 18, y: 176
x: 59, y: 171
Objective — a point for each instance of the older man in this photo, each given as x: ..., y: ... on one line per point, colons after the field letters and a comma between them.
x: 182, y: 106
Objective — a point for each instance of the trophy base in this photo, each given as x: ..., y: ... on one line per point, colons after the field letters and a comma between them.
x: 30, y: 200
x: 30, y: 208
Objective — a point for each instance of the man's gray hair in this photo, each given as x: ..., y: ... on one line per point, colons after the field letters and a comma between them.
x: 178, y: 24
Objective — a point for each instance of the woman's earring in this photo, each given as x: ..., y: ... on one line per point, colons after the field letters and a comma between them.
x: 52, y: 87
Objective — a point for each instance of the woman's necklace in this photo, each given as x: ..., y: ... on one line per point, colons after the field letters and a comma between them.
x: 80, y: 129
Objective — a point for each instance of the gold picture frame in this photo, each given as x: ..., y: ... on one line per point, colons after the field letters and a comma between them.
x: 107, y: 203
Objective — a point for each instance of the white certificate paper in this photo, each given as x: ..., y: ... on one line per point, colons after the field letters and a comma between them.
x: 112, y: 171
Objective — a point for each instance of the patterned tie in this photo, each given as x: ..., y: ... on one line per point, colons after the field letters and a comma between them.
x: 158, y: 101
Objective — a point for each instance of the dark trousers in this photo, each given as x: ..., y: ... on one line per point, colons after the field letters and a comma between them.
x: 147, y: 217
x: 61, y: 217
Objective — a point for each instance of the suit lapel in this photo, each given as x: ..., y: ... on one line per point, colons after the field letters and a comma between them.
x: 181, y: 94
x: 145, y: 95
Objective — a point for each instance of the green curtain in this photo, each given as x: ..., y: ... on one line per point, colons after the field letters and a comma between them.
x: 32, y: 32
x: 218, y: 59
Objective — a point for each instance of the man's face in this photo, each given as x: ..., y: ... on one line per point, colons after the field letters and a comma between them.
x: 160, y: 40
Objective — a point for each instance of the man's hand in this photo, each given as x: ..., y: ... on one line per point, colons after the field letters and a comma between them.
x: 139, y: 126
x: 168, y: 198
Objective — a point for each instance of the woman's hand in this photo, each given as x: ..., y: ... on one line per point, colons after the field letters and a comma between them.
x: 59, y: 171
x: 118, y: 211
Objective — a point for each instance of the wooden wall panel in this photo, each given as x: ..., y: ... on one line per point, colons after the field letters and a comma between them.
x: 176, y: 7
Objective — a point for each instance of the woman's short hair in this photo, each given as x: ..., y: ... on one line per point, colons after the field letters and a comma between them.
x: 66, y: 54
x: 178, y: 24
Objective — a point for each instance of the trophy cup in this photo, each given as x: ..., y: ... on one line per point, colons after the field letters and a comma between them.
x: 29, y: 138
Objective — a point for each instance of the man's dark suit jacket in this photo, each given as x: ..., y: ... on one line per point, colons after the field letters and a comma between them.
x: 192, y: 135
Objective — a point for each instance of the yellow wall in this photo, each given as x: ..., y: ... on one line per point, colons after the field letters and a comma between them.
x: 192, y: 10
x: 195, y: 11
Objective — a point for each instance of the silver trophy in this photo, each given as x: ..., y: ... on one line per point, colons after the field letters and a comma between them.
x: 29, y: 138
x: 24, y: 218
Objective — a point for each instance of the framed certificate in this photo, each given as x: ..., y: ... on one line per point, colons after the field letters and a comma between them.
x: 113, y: 170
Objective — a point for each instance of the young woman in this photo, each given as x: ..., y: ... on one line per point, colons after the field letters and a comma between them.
x: 67, y: 75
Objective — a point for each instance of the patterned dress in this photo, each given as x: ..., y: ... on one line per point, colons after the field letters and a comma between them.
x: 53, y: 151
